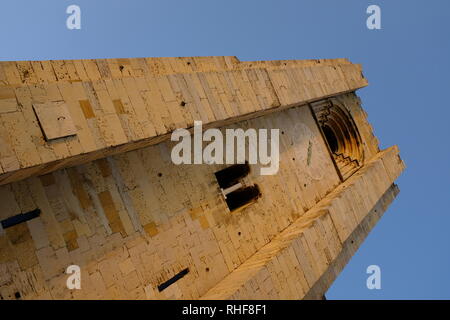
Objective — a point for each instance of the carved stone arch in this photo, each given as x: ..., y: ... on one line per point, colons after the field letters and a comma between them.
x: 341, y: 135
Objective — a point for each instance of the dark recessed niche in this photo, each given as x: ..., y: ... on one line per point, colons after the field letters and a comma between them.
x: 182, y: 103
x: 230, y: 176
x: 172, y: 280
x: 207, y: 269
x: 17, y: 295
x: 160, y: 174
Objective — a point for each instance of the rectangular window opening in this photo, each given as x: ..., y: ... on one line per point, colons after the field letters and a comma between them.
x: 242, y: 197
x: 230, y: 176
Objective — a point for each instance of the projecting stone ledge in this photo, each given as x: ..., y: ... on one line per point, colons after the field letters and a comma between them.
x: 56, y: 114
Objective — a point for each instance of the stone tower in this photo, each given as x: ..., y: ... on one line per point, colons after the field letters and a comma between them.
x: 87, y: 179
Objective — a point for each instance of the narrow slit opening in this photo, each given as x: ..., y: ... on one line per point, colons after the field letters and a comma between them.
x: 172, y: 280
x: 20, y: 218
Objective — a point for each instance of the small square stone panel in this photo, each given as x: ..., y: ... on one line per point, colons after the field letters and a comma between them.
x: 55, y: 120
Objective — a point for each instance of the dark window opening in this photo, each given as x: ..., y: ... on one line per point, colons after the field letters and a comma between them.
x: 230, y: 176
x: 172, y: 280
x: 22, y: 217
x: 331, y: 139
x: 242, y: 196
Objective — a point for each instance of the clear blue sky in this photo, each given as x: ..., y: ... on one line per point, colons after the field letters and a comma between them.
x: 407, y: 64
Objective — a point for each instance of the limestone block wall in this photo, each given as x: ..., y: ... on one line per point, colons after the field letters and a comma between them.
x: 117, y: 105
x: 133, y: 220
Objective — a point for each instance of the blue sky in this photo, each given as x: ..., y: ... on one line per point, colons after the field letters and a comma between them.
x: 407, y: 64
